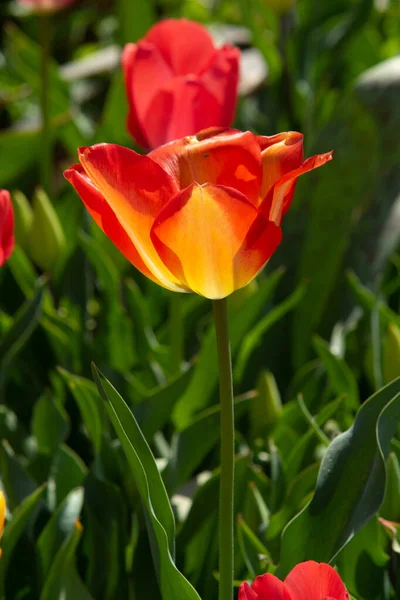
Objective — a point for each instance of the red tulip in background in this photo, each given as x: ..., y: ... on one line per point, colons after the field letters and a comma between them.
x: 46, y: 6
x: 307, y: 581
x: 6, y: 227
x: 178, y: 82
x: 200, y: 214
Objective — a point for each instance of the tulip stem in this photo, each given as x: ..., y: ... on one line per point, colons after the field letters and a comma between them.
x: 46, y: 158
x: 177, y: 339
x: 227, y: 451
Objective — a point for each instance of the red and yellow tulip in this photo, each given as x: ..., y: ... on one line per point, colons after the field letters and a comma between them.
x: 201, y: 214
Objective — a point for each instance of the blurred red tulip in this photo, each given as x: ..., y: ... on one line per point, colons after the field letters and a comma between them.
x: 46, y: 6
x: 200, y: 214
x: 6, y: 226
x: 307, y: 581
x: 178, y: 82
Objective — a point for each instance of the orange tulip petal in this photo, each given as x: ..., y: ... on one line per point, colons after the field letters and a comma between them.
x: 198, y: 234
x: 230, y: 158
x: 312, y: 581
x: 278, y: 200
x: 186, y: 46
x: 260, y: 243
x: 280, y: 154
x: 135, y: 188
x: 181, y: 107
x: 269, y: 587
x: 105, y: 218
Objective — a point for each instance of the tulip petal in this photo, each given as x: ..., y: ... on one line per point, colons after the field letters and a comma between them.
x: 230, y: 158
x: 278, y: 199
x: 313, y: 581
x: 145, y: 72
x: 246, y: 593
x: 6, y: 227
x: 135, y: 188
x: 186, y: 46
x: 198, y: 234
x: 280, y: 154
x: 269, y: 587
x: 182, y: 107
x: 260, y: 243
x: 106, y: 219
x: 221, y: 77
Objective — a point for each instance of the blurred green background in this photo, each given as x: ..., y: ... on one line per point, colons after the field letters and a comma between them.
x: 312, y: 338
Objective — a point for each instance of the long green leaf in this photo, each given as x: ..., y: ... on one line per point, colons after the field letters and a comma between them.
x: 350, y: 486
x: 16, y: 526
x: 160, y: 520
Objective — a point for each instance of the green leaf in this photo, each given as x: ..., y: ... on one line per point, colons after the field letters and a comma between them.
x: 155, y: 409
x: 50, y: 423
x: 362, y: 562
x: 17, y: 525
x: 87, y: 399
x: 23, y: 56
x: 205, y: 377
x: 160, y: 519
x: 18, y: 150
x: 113, y: 121
x: 67, y: 472
x: 251, y: 547
x: 56, y: 583
x: 135, y: 18
x: 254, y: 337
x: 390, y: 509
x: 59, y: 528
x: 106, y: 539
x: 190, y: 446
x: 24, y: 324
x: 350, y: 486
x: 74, y: 589
x: 339, y: 373
x: 326, y: 202
x: 370, y: 302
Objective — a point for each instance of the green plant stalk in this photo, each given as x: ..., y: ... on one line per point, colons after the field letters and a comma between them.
x: 226, y: 509
x: 46, y: 146
x: 177, y: 340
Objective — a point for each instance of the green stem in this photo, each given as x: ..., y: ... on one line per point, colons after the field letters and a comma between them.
x: 177, y: 339
x: 227, y: 451
x: 46, y: 150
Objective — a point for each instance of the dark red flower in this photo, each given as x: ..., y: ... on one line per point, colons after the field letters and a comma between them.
x: 178, y: 82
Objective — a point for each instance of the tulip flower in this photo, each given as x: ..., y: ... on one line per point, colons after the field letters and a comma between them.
x: 200, y: 214
x: 2, y: 514
x: 178, y: 82
x: 46, y: 6
x: 307, y: 581
x: 6, y: 227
